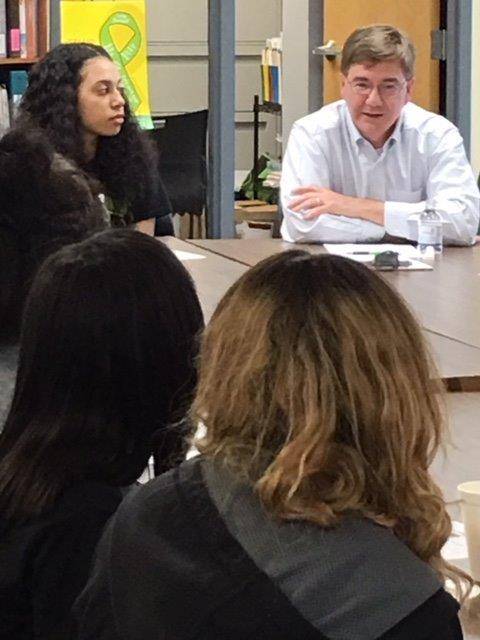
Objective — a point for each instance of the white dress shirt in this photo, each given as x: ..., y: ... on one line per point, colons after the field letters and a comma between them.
x: 422, y: 164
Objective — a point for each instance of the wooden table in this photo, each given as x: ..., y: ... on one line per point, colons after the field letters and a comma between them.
x: 212, y: 275
x: 446, y: 301
x: 458, y: 363
x: 459, y: 462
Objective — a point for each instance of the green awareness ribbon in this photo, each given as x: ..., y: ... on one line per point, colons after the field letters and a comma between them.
x: 127, y: 54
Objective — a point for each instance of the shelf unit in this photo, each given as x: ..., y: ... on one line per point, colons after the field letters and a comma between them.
x: 260, y: 107
x: 17, y: 62
x: 9, y: 64
x: 41, y: 22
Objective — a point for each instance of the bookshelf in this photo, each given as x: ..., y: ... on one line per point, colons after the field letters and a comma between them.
x: 260, y: 107
x: 24, y: 31
x: 17, y: 62
x: 25, y: 27
x: 271, y: 91
x: 13, y: 64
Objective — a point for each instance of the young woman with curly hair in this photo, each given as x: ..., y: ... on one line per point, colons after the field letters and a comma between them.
x: 76, y: 98
x: 105, y: 378
x: 311, y: 512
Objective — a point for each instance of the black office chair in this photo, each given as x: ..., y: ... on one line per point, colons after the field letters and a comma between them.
x: 181, y: 141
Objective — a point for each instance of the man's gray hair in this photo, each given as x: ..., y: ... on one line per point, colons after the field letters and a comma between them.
x: 377, y: 43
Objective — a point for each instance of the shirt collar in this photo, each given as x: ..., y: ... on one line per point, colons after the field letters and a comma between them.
x: 396, y: 133
x: 354, y: 133
x: 357, y: 137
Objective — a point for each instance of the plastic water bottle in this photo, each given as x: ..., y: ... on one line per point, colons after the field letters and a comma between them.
x: 430, y: 233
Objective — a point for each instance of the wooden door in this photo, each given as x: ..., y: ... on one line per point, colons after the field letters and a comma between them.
x: 416, y: 17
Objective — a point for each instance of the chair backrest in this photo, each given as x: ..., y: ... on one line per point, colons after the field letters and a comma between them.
x: 181, y: 141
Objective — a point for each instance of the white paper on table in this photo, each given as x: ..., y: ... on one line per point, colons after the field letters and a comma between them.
x: 366, y: 253
x: 455, y: 547
x: 185, y: 255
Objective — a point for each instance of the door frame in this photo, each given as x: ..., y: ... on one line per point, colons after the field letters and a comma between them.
x: 458, y: 87
x: 457, y: 82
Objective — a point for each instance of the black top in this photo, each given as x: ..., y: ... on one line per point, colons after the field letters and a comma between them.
x: 45, y: 563
x: 169, y: 566
x: 152, y: 203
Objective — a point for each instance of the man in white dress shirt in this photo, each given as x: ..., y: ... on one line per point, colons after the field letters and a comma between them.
x: 363, y: 168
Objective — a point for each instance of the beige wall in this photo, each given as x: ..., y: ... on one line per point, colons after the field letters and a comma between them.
x: 475, y: 132
x: 295, y: 63
x: 178, y: 63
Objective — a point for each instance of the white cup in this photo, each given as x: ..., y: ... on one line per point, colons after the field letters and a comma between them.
x: 470, y: 495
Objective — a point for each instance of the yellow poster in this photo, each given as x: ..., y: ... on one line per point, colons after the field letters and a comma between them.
x: 119, y: 27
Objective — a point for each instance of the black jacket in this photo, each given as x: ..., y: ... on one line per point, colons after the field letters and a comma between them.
x: 44, y: 564
x: 169, y: 568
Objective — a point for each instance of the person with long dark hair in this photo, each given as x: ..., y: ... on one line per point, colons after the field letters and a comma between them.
x: 311, y: 512
x: 46, y: 202
x: 105, y: 377
x: 76, y: 98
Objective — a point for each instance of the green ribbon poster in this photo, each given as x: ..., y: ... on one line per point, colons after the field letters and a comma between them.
x: 127, y: 54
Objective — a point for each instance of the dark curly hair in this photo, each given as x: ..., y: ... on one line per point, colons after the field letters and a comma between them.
x: 125, y: 163
x: 46, y: 202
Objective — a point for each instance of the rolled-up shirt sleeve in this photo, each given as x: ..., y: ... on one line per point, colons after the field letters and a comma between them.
x: 305, y: 164
x: 450, y: 190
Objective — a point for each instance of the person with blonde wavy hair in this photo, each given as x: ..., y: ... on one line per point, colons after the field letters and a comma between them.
x: 311, y: 512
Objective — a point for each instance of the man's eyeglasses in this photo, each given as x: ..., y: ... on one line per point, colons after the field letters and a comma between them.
x: 385, y: 89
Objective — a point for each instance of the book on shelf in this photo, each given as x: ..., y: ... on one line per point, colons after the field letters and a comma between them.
x: 24, y: 28
x: 265, y: 81
x: 13, y: 28
x: 43, y: 26
x: 3, y: 29
x: 271, y: 71
x: 4, y: 111
x: 28, y: 29
x: 18, y: 84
